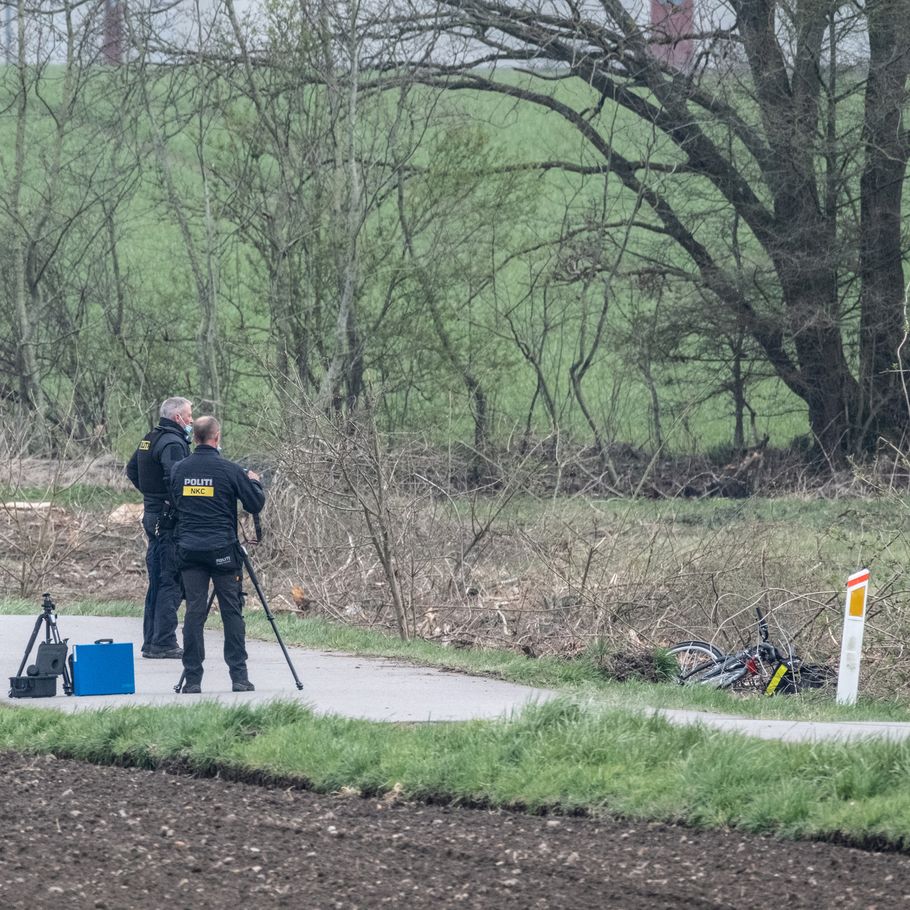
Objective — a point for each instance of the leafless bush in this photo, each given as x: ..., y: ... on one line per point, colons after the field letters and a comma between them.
x: 369, y: 534
x: 41, y: 541
x: 364, y: 529
x: 387, y: 532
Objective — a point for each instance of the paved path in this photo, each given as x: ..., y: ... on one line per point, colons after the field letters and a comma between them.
x: 362, y: 687
x: 369, y: 688
x: 789, y: 730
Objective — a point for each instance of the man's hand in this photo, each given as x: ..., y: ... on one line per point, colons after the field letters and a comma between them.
x: 252, y: 475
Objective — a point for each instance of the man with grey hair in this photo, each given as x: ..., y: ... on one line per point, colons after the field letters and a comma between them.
x: 149, y: 470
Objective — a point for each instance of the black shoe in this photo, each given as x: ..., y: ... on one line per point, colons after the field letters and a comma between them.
x: 243, y: 685
x: 165, y: 654
x: 191, y: 689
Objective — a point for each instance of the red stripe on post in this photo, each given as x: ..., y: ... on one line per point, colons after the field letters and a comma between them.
x: 857, y: 579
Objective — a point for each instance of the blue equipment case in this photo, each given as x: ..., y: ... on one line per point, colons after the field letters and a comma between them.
x: 103, y: 668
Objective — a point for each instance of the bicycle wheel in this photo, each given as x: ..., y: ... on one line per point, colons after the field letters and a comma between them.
x: 690, y: 653
x: 696, y: 660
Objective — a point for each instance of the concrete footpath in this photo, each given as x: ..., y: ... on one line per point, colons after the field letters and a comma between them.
x: 367, y: 688
x: 789, y: 730
x: 362, y: 687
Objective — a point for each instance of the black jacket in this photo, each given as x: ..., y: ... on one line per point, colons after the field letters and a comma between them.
x: 205, y: 488
x: 149, y: 470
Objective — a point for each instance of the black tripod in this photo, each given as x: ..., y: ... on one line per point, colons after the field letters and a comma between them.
x: 248, y: 565
x: 48, y: 618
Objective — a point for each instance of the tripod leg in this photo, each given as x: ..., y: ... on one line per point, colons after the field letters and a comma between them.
x: 68, y: 688
x: 53, y: 635
x: 208, y: 609
x: 259, y: 593
x: 31, y: 644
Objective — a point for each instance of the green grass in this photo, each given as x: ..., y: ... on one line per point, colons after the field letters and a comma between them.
x: 810, y: 512
x: 553, y: 757
x: 85, y: 496
x: 15, y: 606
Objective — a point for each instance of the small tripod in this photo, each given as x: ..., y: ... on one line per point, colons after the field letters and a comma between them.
x: 248, y: 565
x: 48, y: 617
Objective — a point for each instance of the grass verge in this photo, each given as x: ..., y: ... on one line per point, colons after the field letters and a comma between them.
x: 91, y: 497
x: 552, y: 757
x: 579, y: 677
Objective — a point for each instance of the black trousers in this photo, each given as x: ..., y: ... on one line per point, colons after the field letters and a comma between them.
x: 227, y: 589
x: 159, y: 621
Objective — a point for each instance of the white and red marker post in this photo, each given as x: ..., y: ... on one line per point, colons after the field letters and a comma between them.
x: 852, y: 642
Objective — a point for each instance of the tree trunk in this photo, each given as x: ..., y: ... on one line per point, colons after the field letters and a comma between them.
x: 881, y: 189
x: 830, y: 391
x: 738, y: 391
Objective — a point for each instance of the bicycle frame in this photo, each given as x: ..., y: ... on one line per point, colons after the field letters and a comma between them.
x: 723, y: 671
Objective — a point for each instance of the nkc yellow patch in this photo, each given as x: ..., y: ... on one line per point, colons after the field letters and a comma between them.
x: 198, y: 491
x: 145, y: 445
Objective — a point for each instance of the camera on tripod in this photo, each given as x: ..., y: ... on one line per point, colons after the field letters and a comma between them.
x: 40, y: 679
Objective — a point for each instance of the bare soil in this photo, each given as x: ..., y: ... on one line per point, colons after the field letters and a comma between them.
x: 79, y: 835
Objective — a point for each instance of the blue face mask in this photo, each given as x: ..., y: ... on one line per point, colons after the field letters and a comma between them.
x: 188, y: 429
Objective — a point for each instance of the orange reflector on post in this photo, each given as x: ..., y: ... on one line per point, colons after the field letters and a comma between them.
x: 858, y: 601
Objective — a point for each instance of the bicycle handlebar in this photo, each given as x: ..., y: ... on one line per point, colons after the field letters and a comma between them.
x: 762, y: 624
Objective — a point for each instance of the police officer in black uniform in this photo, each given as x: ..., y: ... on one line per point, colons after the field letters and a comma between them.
x: 150, y: 472
x: 205, y: 488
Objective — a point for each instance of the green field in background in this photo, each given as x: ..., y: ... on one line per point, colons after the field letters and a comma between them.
x: 504, y: 132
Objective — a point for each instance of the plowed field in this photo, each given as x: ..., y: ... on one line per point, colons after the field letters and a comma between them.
x: 79, y: 835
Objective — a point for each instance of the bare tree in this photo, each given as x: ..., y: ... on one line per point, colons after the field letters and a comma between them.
x: 321, y: 138
x: 457, y: 219
x: 178, y: 105
x: 790, y: 176
x: 66, y: 167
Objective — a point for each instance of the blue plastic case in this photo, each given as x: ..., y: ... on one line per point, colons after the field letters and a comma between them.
x: 104, y: 668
